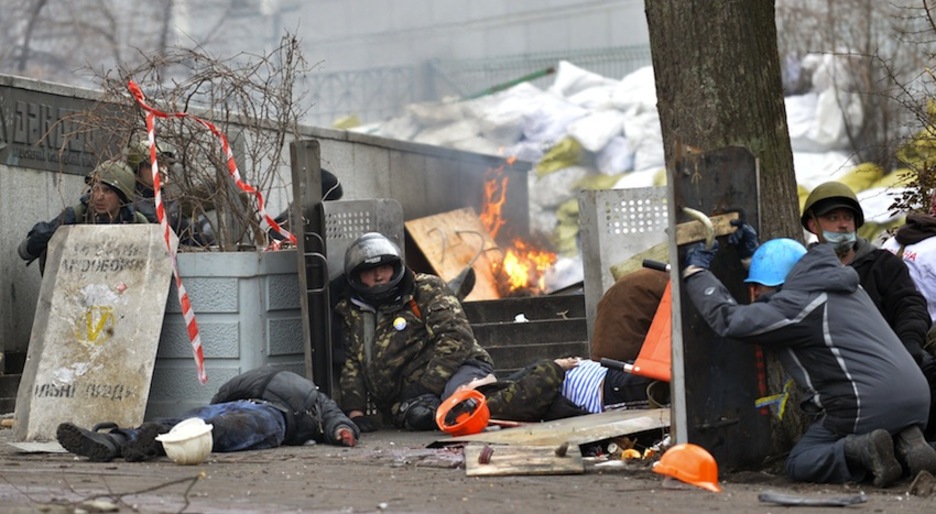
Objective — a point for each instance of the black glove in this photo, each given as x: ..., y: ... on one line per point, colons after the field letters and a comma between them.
x: 745, y: 239
x: 700, y: 257
x: 367, y: 423
x: 413, y: 390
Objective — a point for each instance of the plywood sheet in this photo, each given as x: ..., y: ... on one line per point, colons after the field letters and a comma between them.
x: 522, y: 460
x: 450, y: 241
x: 577, y: 430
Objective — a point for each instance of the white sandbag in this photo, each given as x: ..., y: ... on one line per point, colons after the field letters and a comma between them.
x: 637, y: 88
x: 641, y: 178
x: 542, y: 221
x: 558, y: 187
x: 876, y: 204
x: 446, y: 135
x: 595, y: 130
x: 403, y: 128
x: 616, y: 157
x: 479, y: 144
x: 595, y: 98
x: 527, y: 151
x: 801, y: 116
x: 565, y: 272
x: 570, y: 79
x: 645, y: 137
x: 431, y: 114
x: 813, y: 169
x: 550, y: 123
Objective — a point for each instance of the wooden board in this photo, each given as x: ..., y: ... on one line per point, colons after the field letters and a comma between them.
x: 715, y: 379
x: 577, y: 430
x: 450, y: 241
x: 688, y: 232
x: 523, y: 460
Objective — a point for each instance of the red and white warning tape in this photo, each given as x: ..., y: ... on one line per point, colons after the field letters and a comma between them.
x: 187, y: 312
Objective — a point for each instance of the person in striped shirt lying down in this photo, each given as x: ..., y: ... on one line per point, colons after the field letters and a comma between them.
x: 571, y: 386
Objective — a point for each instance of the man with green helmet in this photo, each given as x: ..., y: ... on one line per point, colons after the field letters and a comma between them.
x: 191, y: 233
x: 833, y: 214
x: 107, y: 201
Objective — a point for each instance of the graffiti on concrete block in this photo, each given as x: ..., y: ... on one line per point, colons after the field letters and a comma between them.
x: 96, y: 326
x: 55, y: 391
x: 101, y: 264
x: 114, y: 392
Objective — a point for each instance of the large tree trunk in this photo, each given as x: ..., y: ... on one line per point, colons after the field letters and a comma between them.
x: 718, y: 84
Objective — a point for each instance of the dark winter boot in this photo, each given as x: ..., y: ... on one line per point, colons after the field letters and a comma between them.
x: 914, y: 452
x: 143, y: 444
x: 419, y: 413
x: 874, y: 452
x: 96, y: 446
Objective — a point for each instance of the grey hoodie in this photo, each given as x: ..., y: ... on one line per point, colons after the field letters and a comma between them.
x: 832, y: 340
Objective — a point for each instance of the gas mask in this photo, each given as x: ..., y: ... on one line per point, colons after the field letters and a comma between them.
x: 841, y: 241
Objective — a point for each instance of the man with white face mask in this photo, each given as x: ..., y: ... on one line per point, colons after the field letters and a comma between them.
x: 833, y: 214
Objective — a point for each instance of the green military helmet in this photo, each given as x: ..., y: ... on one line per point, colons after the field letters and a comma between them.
x: 829, y: 196
x: 117, y: 175
x: 139, y: 152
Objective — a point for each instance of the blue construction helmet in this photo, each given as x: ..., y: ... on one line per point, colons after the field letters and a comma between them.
x: 773, y: 260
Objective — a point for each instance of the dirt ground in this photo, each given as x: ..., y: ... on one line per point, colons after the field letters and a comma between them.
x: 388, y: 471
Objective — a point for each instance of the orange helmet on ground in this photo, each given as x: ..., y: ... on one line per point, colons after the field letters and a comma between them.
x: 464, y: 413
x: 690, y: 463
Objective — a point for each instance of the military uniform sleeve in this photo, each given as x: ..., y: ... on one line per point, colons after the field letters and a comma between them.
x: 351, y: 383
x: 451, y: 336
x: 529, y: 397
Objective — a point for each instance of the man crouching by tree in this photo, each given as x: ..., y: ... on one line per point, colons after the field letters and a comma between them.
x: 869, y: 398
x: 260, y: 409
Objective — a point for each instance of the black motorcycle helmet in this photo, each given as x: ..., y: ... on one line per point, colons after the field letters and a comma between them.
x: 370, y: 251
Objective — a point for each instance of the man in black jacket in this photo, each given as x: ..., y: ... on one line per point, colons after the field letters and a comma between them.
x: 259, y: 409
x: 833, y: 214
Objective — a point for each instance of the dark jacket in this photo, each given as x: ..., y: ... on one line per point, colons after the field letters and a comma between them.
x: 624, y: 314
x: 418, y: 341
x: 831, y: 339
x: 310, y: 414
x: 37, y: 240
x: 191, y: 233
x: 887, y: 281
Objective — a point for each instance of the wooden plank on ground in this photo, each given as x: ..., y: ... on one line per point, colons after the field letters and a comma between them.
x: 576, y: 430
x: 450, y: 240
x: 522, y: 460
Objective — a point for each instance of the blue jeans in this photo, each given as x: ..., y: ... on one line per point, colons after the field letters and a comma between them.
x: 239, y: 425
x: 819, y: 457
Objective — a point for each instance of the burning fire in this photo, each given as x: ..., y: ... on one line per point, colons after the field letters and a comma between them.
x: 524, y: 266
x: 522, y: 269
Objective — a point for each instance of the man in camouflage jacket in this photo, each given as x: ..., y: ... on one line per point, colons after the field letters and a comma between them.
x: 408, y: 342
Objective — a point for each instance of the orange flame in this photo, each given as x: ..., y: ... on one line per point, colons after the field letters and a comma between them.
x: 523, y: 266
x: 495, y: 194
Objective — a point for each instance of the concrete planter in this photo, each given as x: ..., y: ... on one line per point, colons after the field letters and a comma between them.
x: 248, y: 313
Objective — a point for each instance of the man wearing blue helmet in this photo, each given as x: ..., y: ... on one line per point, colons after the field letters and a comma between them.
x: 840, y: 351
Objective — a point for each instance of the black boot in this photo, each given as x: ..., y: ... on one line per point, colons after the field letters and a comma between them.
x: 419, y: 413
x: 874, y: 452
x: 143, y: 445
x: 914, y: 452
x: 96, y: 446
